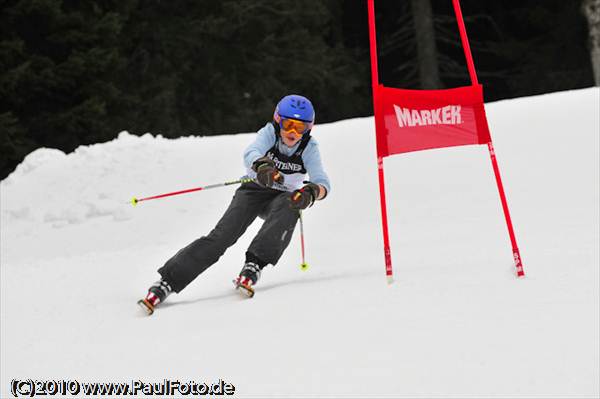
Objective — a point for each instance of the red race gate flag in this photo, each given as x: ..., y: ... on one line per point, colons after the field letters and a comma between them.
x: 414, y: 120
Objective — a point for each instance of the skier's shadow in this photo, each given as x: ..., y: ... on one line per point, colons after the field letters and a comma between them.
x: 234, y: 297
x: 231, y: 296
x: 309, y: 280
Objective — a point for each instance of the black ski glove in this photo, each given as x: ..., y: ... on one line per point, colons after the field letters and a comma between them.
x: 266, y: 172
x: 304, y: 197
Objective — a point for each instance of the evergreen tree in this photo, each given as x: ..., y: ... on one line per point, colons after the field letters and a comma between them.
x: 58, y: 60
x: 219, y: 67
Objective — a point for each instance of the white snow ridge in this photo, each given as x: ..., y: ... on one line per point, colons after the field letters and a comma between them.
x: 76, y: 256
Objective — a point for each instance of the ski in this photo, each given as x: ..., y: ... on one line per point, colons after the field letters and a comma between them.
x: 146, y: 306
x: 244, y: 290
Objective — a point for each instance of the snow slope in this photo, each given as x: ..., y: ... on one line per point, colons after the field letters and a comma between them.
x: 76, y: 255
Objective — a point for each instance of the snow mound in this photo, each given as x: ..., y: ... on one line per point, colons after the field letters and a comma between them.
x: 62, y: 189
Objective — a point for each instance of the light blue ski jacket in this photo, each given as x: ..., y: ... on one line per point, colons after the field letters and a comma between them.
x: 311, y: 157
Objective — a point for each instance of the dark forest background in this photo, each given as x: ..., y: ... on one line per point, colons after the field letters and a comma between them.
x: 77, y: 72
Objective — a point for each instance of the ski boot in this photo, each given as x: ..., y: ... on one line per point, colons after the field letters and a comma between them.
x: 157, y: 293
x: 247, y: 279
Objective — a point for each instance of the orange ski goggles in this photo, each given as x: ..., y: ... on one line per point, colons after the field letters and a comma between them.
x: 294, y: 125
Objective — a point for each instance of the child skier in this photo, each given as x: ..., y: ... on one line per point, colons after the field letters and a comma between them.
x: 278, y: 161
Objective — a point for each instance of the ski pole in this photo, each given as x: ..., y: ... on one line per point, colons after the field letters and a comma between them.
x: 135, y: 200
x: 303, y: 265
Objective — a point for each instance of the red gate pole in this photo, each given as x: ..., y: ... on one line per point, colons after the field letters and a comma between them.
x: 471, y: 66
x: 374, y: 84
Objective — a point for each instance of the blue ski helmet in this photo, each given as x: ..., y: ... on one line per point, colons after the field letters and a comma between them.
x: 296, y: 107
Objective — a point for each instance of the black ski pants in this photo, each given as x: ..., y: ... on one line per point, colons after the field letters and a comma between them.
x: 250, y: 200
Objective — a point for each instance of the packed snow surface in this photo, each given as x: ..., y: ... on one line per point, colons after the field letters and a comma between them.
x: 76, y: 256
